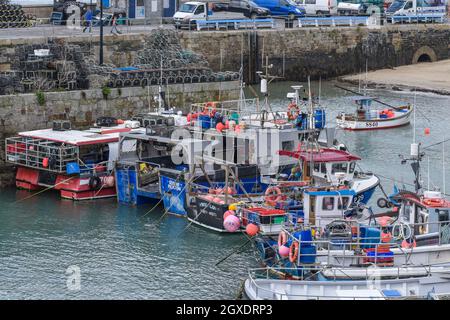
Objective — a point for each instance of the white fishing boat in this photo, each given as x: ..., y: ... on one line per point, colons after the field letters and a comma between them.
x: 367, y: 118
x: 263, y: 284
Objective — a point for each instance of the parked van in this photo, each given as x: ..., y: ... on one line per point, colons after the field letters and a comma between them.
x: 286, y: 8
x: 318, y: 7
x: 189, y: 12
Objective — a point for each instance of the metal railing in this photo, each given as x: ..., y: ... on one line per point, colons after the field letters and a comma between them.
x: 371, y: 276
x: 40, y: 154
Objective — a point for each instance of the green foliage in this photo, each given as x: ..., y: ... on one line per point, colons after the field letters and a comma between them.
x: 106, y: 91
x: 40, y: 98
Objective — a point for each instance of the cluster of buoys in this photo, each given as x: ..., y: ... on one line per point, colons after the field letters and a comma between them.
x: 209, y: 115
x: 387, y: 113
x: 232, y: 223
x: 228, y: 190
x: 212, y: 198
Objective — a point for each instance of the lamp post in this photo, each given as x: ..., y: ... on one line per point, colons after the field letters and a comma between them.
x: 101, y: 33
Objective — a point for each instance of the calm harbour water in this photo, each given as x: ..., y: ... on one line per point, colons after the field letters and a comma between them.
x: 127, y: 253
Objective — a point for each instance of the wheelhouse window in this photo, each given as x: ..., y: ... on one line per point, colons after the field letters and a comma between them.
x: 342, y: 205
x: 444, y: 216
x: 352, y: 167
x: 287, y: 145
x: 339, y: 167
x: 328, y: 203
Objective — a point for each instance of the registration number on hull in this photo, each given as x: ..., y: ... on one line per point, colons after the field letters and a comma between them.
x: 371, y: 124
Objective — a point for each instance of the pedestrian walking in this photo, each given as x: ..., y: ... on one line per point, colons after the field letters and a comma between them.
x: 114, y: 29
x: 88, y: 20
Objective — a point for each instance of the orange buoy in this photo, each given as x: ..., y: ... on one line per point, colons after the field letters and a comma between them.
x: 220, y: 127
x: 251, y: 229
x: 427, y: 131
x: 120, y: 121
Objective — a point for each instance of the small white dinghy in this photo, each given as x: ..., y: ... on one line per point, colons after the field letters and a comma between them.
x: 366, y: 118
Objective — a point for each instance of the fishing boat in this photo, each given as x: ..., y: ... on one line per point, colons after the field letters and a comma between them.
x: 79, y: 164
x: 326, y: 283
x: 332, y: 166
x: 367, y: 118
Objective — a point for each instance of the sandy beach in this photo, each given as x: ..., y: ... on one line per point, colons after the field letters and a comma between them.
x: 427, y: 76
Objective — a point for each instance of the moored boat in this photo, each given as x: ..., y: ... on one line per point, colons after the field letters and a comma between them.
x: 366, y: 118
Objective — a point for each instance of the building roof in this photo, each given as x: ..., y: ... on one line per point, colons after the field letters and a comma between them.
x: 322, y: 155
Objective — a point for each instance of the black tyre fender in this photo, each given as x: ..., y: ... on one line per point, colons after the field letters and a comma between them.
x: 95, y: 183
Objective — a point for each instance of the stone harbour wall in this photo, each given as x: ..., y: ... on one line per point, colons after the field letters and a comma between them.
x: 23, y: 112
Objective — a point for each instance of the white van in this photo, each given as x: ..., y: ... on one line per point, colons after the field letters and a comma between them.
x: 189, y: 12
x: 319, y: 7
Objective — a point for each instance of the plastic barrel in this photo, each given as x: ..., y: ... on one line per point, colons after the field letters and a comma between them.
x: 319, y: 117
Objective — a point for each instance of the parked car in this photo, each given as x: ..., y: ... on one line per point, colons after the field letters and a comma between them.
x: 318, y: 7
x: 247, y: 7
x: 189, y: 12
x: 287, y: 8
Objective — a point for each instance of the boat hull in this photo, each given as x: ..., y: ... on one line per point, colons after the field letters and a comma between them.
x: 70, y: 187
x: 372, y: 289
x: 400, y: 119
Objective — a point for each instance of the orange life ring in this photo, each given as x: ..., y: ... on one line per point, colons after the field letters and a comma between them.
x: 293, y: 251
x: 270, y: 197
x: 209, y: 109
x: 293, y: 115
x: 282, y: 239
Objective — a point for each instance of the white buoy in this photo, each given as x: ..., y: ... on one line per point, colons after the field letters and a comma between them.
x: 264, y: 86
x: 414, y: 149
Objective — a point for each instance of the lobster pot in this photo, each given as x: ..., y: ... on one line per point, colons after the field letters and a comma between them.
x: 319, y: 118
x: 269, y: 221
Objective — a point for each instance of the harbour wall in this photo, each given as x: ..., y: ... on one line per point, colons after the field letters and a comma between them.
x: 22, y: 112
x: 294, y: 53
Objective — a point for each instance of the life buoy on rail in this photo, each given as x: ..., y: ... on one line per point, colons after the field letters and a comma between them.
x: 282, y: 239
x: 95, y: 183
x: 293, y: 111
x: 273, y: 194
x: 209, y: 109
x: 293, y: 252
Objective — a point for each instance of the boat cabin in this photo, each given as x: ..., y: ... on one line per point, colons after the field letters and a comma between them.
x: 429, y: 216
x: 325, y: 165
x: 79, y: 163
x: 323, y: 205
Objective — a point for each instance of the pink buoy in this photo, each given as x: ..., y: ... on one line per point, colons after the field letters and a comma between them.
x: 212, y: 191
x: 283, y: 251
x: 231, y: 223
x: 228, y: 213
x: 251, y: 229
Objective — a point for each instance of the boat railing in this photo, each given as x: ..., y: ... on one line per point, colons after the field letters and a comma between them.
x: 371, y: 277
x: 40, y: 153
x: 357, y: 248
x: 227, y: 107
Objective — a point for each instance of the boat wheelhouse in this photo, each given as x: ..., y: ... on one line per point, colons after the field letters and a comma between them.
x: 77, y: 163
x: 367, y: 118
x: 331, y: 166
